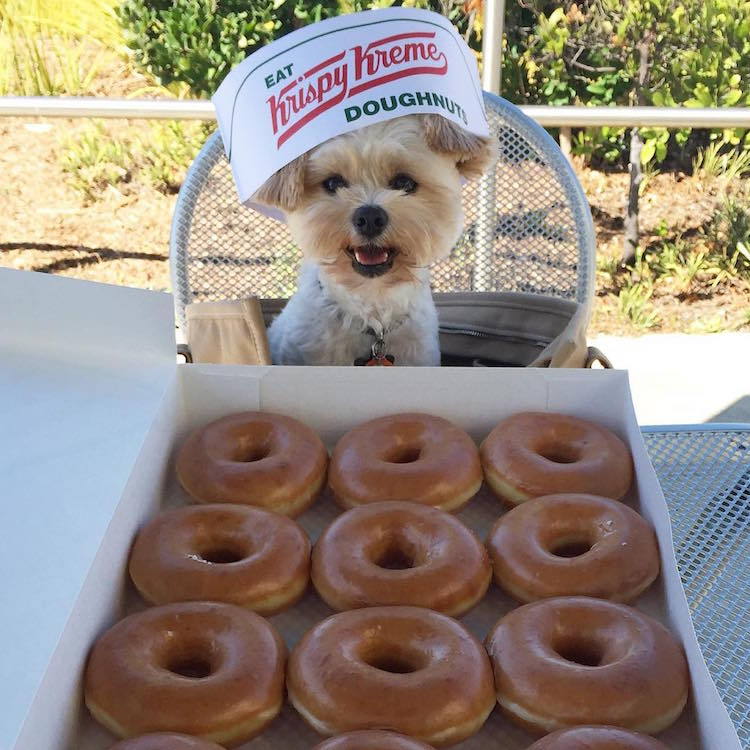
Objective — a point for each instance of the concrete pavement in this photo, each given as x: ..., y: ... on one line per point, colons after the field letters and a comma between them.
x: 684, y: 378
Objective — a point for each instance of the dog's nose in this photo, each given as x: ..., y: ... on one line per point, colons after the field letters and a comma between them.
x: 370, y: 221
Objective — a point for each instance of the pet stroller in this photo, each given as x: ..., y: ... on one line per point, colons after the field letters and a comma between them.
x: 515, y: 291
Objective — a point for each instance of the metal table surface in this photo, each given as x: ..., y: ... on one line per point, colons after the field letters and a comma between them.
x: 704, y: 471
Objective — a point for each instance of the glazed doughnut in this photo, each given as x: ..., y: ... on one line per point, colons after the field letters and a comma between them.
x: 165, y: 741
x: 223, y: 553
x: 372, y: 740
x: 400, y: 553
x: 406, y: 669
x: 254, y: 458
x: 413, y: 457
x: 573, y: 545
x: 597, y: 738
x: 211, y: 670
x: 576, y: 660
x: 536, y: 453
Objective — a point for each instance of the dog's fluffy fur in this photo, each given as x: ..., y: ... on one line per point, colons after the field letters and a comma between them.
x: 361, y: 279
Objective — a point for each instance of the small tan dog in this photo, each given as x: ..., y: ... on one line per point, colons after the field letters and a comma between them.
x: 371, y: 211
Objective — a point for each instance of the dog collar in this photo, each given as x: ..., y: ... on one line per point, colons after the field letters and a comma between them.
x: 378, y: 352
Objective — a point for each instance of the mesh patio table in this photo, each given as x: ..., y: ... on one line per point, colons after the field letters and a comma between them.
x: 704, y: 471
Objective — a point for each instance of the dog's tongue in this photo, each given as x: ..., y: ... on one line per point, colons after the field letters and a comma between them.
x: 370, y: 256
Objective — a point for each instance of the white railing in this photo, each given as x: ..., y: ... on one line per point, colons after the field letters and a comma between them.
x: 551, y: 117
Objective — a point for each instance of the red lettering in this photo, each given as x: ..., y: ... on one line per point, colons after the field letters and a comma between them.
x: 327, y: 84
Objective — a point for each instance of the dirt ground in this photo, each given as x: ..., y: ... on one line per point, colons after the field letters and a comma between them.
x: 123, y: 237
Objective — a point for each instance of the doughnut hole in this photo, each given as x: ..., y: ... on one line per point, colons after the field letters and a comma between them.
x: 571, y: 546
x: 568, y: 538
x: 250, y: 448
x: 559, y: 453
x: 594, y: 647
x: 404, y: 454
x: 394, y: 658
x: 194, y: 659
x: 251, y: 453
x: 581, y: 650
x: 217, y: 548
x: 222, y: 554
x: 395, y: 551
x: 195, y: 668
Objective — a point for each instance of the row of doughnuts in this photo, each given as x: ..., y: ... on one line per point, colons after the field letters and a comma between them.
x: 417, y: 456
x: 559, y: 545
x: 245, y: 458
x: 239, y: 532
x: 218, y: 672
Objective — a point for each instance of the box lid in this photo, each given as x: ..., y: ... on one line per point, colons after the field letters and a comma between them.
x: 110, y: 355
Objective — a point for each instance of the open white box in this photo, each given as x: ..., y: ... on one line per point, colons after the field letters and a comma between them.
x: 92, y: 407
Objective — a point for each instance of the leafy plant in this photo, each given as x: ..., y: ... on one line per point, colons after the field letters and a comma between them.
x: 680, y: 264
x: 713, y: 162
x: 729, y: 236
x: 197, y: 42
x: 48, y: 47
x: 170, y: 150
x: 94, y: 162
x: 589, y: 53
x: 634, y: 303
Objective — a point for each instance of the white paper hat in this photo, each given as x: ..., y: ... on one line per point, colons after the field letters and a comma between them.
x: 339, y: 75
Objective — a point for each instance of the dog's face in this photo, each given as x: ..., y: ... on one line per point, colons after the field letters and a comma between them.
x: 380, y: 201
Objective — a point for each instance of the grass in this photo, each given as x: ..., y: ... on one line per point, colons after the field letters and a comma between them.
x: 96, y: 161
x: 713, y: 163
x: 50, y: 47
x: 634, y: 303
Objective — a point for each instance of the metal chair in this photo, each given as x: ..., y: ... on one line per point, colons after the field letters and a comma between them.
x: 528, y: 228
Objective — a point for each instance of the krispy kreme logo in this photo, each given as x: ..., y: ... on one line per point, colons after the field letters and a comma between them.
x: 347, y: 74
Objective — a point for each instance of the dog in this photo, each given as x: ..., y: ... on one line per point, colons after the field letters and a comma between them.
x: 371, y: 210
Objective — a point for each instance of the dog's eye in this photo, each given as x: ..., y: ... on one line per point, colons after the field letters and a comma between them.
x: 404, y: 183
x: 333, y: 183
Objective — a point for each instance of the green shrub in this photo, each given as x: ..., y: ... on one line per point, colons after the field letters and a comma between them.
x: 197, y: 42
x: 587, y: 53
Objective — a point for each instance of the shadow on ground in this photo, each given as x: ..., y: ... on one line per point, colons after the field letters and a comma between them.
x: 91, y: 255
x: 739, y: 411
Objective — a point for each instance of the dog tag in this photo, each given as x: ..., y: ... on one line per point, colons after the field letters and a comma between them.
x: 387, y: 361
x: 379, y: 358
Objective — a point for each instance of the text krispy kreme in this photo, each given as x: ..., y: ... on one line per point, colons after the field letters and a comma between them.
x: 339, y: 75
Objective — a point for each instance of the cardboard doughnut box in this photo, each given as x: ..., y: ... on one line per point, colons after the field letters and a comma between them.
x: 93, y: 407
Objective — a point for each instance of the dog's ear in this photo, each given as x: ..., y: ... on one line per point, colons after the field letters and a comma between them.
x: 473, y: 153
x: 284, y: 189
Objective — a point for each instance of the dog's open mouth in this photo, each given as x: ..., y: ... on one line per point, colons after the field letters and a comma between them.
x: 371, y: 260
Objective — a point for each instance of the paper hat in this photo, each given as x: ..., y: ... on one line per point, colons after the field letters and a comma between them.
x: 340, y: 75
